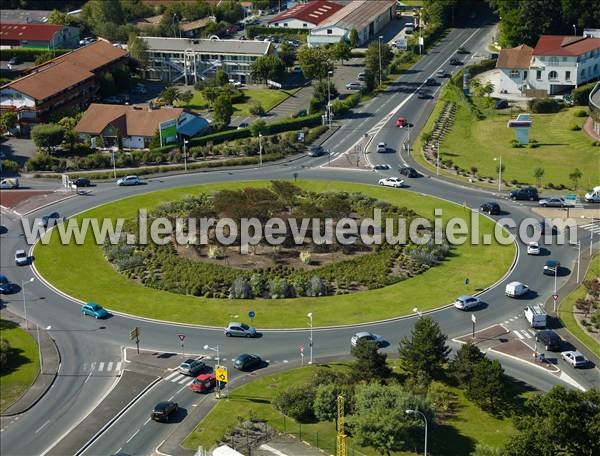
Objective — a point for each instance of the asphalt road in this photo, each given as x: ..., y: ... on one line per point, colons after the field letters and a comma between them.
x: 86, y: 343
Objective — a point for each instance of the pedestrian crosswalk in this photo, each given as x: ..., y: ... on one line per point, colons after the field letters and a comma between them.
x: 181, y: 379
x: 524, y: 333
x: 591, y: 227
x: 103, y: 367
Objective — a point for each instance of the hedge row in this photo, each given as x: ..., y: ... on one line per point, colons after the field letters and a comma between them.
x: 581, y: 95
x: 29, y: 55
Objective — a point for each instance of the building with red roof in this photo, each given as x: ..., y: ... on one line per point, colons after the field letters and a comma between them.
x: 305, y: 15
x: 38, y: 36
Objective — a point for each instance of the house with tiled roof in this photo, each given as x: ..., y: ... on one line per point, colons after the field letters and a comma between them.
x: 556, y: 64
x: 38, y: 36
x: 71, y: 79
x: 305, y: 15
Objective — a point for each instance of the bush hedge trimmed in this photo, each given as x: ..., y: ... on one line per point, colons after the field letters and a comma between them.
x: 581, y: 95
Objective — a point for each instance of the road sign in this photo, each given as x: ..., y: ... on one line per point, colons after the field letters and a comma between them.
x: 251, y: 314
x: 134, y: 333
x: 221, y: 373
x: 473, y: 319
x: 181, y: 337
x: 555, y: 297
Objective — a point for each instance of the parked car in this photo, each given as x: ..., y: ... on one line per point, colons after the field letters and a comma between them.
x: 94, y: 310
x: 551, y: 340
x: 191, y: 366
x: 9, y: 184
x: 315, y: 150
x: 47, y: 219
x: 243, y: 125
x: 401, y: 122
x: 395, y: 182
x: 490, y: 207
x: 82, y: 182
x: 6, y: 287
x: 361, y: 76
x: 204, y: 383
x: 431, y: 82
x: 21, y: 258
x: 381, y: 147
x: 525, y: 193
x: 516, y: 289
x: 246, y: 361
x: 574, y: 358
x: 462, y: 50
x: 466, y: 302
x: 533, y: 248
x: 354, y: 86
x: 235, y: 329
x: 551, y: 267
x: 408, y: 171
x: 163, y: 410
x: 367, y: 336
x: 555, y: 201
x: 501, y: 104
x: 593, y: 196
x: 129, y: 180
x: 455, y: 61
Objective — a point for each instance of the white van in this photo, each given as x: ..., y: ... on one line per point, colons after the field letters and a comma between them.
x: 536, y: 316
x: 516, y: 289
x: 8, y: 184
x: 593, y: 196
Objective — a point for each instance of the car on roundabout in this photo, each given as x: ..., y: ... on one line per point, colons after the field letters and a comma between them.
x: 553, y: 202
x: 551, y: 267
x: 367, y: 337
x: 129, y: 180
x: 408, y: 171
x: 516, y: 289
x: 21, y: 258
x: 163, y: 410
x: 533, y: 248
x: 235, y: 329
x: 247, y: 361
x: 381, y: 148
x: 574, y: 358
x: 395, y: 182
x: 94, y: 310
x: 466, y: 302
x: 191, y: 367
x: 490, y: 208
x: 6, y: 287
x: 204, y: 383
x: 381, y: 166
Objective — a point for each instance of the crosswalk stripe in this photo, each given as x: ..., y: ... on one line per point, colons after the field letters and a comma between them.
x: 100, y: 367
x: 532, y: 332
x: 183, y: 380
x: 174, y: 374
x: 110, y: 365
x: 526, y: 334
x: 118, y: 368
x: 518, y: 334
x: 93, y: 366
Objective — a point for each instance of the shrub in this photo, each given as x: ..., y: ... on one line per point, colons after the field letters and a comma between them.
x: 581, y: 95
x: 296, y: 402
x: 29, y: 55
x: 279, y: 288
x: 256, y: 109
x: 240, y: 289
x: 544, y: 105
x: 533, y: 144
x: 316, y: 287
x: 305, y: 256
x: 580, y: 113
x: 574, y: 127
x: 10, y: 166
x: 4, y: 352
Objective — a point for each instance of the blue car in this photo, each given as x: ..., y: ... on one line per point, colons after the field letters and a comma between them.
x: 94, y: 310
x: 5, y: 286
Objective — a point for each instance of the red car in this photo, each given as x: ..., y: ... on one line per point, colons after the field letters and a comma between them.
x: 204, y: 383
x: 401, y: 122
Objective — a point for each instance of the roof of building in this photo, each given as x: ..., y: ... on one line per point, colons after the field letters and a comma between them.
x: 358, y: 14
x: 565, y: 45
x: 28, y: 32
x: 314, y: 12
x: 250, y: 47
x: 517, y: 57
x: 66, y: 70
x: 21, y: 16
x: 151, y: 21
x: 136, y: 120
x: 194, y: 25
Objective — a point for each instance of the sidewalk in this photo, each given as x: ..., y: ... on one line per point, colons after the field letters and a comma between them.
x: 45, y: 379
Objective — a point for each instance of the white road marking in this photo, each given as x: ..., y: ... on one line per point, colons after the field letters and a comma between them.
x: 183, y: 380
x: 518, y: 334
x: 146, y: 422
x: 88, y: 377
x: 43, y: 426
x: 134, y: 434
x: 270, y: 449
x: 285, y: 361
x: 93, y: 366
x: 532, y: 332
x: 506, y: 322
x: 109, y: 367
x: 174, y: 374
x: 118, y: 368
x: 101, y: 367
x: 526, y: 334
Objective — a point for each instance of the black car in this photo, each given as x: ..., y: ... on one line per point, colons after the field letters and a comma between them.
x: 163, y: 410
x: 550, y: 339
x: 490, y: 208
x: 82, y: 182
x: 431, y: 82
x: 423, y: 94
x: 501, y: 104
x: 552, y: 267
x: 525, y: 193
x: 316, y: 151
x: 462, y: 50
x: 408, y: 171
x: 455, y: 61
x: 46, y: 219
x: 246, y: 361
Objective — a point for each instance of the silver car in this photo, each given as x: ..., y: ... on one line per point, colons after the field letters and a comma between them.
x: 239, y: 330
x: 129, y: 180
x: 367, y: 336
x: 191, y: 367
x: 553, y: 202
x: 21, y: 258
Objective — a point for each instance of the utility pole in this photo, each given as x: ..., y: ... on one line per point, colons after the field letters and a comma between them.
x: 260, y: 149
x: 310, y: 319
x: 380, y: 69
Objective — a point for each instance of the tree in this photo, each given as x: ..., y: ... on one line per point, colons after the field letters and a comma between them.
x: 222, y: 111
x: 256, y: 109
x: 229, y: 11
x: 8, y: 121
x: 486, y: 450
x: 267, y: 67
x: 341, y: 51
x: 426, y: 351
x: 287, y: 54
x: 221, y: 77
x: 210, y: 94
x: 461, y: 367
x: 47, y: 136
x: 380, y: 418
x: 185, y: 96
x: 296, y: 402
x: 353, y: 38
x: 170, y: 94
x: 488, y: 88
x: 486, y: 386
x: 372, y: 60
x: 574, y: 177
x: 314, y: 62
x: 325, y: 404
x: 57, y: 17
x: 570, y: 417
x: 319, y: 98
x: 4, y: 353
x: 257, y: 127
x: 138, y: 50
x: 370, y: 363
x: 538, y: 173
x: 71, y: 136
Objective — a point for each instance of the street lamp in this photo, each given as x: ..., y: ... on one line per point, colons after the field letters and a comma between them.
x: 310, y: 319
x: 574, y: 30
x: 412, y: 412
x: 260, y: 149
x: 216, y: 349
x: 499, y: 171
x: 23, y: 282
x: 415, y: 310
x: 380, y: 73
x: 185, y: 143
x: 578, y: 258
x: 329, y: 74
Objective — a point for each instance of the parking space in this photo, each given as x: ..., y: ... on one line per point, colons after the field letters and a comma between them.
x: 343, y: 74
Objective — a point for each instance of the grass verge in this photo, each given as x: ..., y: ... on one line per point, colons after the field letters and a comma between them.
x: 23, y: 363
x: 567, y: 309
x: 268, y: 98
x: 95, y: 279
x: 456, y: 436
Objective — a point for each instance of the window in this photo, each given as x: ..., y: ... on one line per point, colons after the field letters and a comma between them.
x: 553, y: 61
x: 304, y: 25
x: 553, y: 75
x: 567, y: 75
x: 329, y: 31
x: 538, y: 75
x: 564, y: 59
x: 514, y: 73
x: 285, y: 25
x: 525, y: 74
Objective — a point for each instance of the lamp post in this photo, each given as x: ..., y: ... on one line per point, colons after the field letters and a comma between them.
x: 555, y: 277
x: 592, y: 236
x: 114, y: 164
x: 412, y: 412
x: 415, y: 310
x: 499, y: 159
x: 185, y: 142
x: 329, y: 74
x: 310, y: 320
x: 380, y: 73
x: 260, y: 149
x: 578, y: 258
x: 216, y: 349
x: 23, y: 282
x: 574, y: 30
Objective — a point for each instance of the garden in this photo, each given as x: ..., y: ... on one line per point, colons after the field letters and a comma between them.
x: 98, y: 280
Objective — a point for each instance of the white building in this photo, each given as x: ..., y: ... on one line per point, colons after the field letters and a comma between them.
x: 367, y: 17
x: 305, y: 15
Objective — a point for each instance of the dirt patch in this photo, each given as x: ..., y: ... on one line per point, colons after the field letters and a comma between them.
x: 12, y: 198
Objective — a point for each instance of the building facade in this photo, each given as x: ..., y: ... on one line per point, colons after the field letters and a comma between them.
x: 187, y: 60
x: 38, y: 36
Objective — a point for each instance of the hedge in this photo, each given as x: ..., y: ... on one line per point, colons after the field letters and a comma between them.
x: 29, y: 55
x: 581, y: 95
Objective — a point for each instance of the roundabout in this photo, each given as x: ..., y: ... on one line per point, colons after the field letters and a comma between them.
x: 92, y: 278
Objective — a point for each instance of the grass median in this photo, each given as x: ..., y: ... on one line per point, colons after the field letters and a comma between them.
x: 83, y: 272
x: 22, y: 366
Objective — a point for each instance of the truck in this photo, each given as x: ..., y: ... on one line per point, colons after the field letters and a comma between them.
x: 593, y: 196
x: 8, y: 184
x: 536, y: 316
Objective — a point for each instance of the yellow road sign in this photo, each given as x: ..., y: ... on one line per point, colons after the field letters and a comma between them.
x: 134, y: 333
x: 221, y: 372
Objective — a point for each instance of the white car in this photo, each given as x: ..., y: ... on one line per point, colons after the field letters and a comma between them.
x: 381, y: 147
x: 466, y: 302
x: 354, y: 86
x: 395, y: 182
x: 129, y: 180
x: 533, y: 248
x: 516, y: 289
x: 9, y: 184
x: 21, y: 258
x: 368, y: 337
x: 593, y: 196
x: 574, y: 358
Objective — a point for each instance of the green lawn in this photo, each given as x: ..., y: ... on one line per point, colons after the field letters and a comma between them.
x: 456, y: 436
x: 23, y: 366
x: 473, y: 142
x: 567, y: 309
x: 269, y: 98
x: 95, y: 279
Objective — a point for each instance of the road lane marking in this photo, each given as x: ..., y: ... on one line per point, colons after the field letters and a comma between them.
x: 518, y: 334
x: 134, y: 434
x: 183, y: 380
x: 118, y: 368
x: 43, y: 426
x: 525, y: 333
x: 533, y: 333
x: 146, y: 422
x: 88, y: 377
x: 110, y: 365
x: 93, y: 366
x: 174, y: 374
x: 101, y: 367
